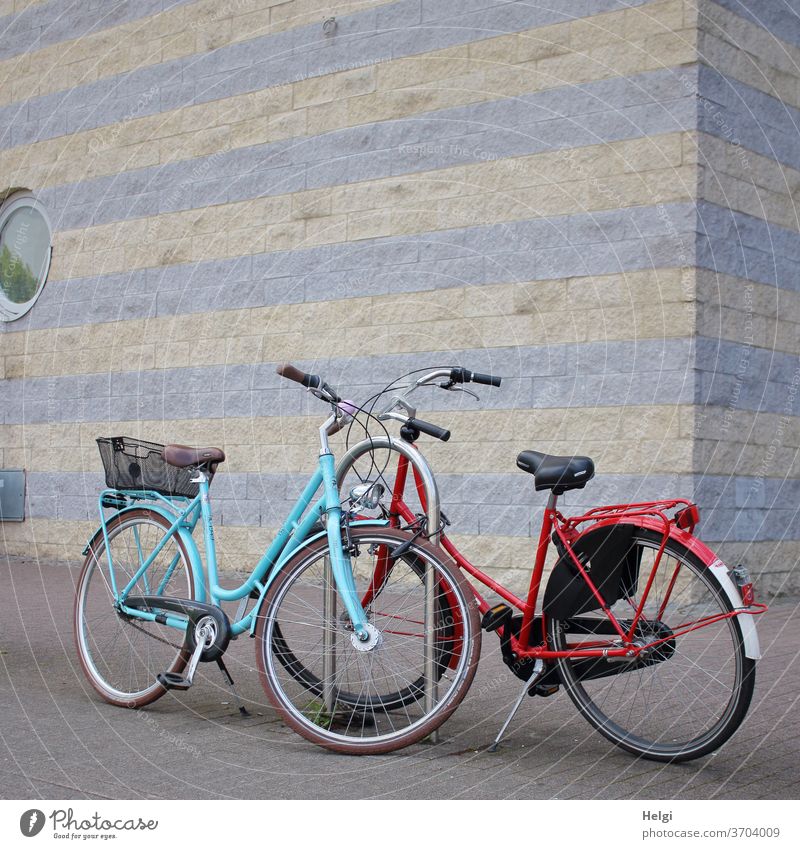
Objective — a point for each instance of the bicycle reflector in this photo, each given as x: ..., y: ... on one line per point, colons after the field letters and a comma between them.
x: 688, y: 518
x: 745, y: 583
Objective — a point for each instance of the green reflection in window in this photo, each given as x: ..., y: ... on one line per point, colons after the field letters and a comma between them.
x: 24, y: 253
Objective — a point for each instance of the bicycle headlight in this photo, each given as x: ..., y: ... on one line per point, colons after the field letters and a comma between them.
x: 367, y: 495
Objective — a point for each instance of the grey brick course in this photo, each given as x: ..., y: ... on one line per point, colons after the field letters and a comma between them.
x: 755, y: 120
x: 498, y: 504
x: 660, y: 371
x: 769, y: 14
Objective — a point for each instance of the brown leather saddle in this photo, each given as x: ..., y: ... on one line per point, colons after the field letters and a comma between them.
x: 183, y: 456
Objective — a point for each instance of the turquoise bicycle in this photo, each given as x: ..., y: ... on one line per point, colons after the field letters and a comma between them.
x: 343, y: 674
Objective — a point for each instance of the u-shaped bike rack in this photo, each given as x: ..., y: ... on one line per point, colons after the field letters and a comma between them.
x: 433, y: 515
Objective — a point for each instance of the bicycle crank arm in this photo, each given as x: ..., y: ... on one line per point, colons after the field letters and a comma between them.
x: 195, y: 611
x: 205, y: 636
x: 176, y: 681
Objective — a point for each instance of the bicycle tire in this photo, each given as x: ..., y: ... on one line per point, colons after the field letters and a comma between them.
x: 391, y: 700
x: 121, y: 657
x: 655, y: 698
x: 367, y: 727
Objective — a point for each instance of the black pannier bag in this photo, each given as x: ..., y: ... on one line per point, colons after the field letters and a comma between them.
x: 612, y: 562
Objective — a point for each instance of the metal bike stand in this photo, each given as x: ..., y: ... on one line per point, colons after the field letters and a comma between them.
x: 431, y: 490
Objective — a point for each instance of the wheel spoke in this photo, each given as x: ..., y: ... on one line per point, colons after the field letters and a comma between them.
x: 120, y: 658
x: 690, y: 695
x: 378, y: 690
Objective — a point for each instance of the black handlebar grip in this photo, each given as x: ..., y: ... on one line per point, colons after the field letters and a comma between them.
x: 431, y: 429
x: 486, y: 379
x: 290, y: 372
x: 464, y: 375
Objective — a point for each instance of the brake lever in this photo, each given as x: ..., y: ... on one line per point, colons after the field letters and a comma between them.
x: 451, y: 386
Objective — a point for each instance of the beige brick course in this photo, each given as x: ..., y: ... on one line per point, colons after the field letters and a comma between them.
x: 735, y: 457
x: 508, y: 559
x: 643, y: 304
x: 637, y: 440
x: 747, y: 182
x: 751, y: 313
x: 286, y: 444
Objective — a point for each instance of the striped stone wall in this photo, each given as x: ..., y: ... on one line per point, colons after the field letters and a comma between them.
x: 748, y: 288
x: 592, y: 198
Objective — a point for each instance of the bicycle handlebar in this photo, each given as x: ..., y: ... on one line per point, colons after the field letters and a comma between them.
x: 315, y: 384
x: 290, y: 372
x: 310, y: 381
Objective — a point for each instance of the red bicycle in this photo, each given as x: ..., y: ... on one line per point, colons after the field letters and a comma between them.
x: 651, y: 635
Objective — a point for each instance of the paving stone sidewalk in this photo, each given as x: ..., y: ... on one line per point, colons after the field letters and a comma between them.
x: 57, y: 740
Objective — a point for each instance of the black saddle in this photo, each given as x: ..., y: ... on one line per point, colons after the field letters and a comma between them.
x: 556, y: 473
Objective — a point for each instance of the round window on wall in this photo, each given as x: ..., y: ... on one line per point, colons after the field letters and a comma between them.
x: 25, y: 249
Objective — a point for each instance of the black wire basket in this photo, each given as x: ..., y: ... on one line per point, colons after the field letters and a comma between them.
x: 139, y: 465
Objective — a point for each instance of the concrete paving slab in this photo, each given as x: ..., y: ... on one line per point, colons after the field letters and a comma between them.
x: 57, y: 739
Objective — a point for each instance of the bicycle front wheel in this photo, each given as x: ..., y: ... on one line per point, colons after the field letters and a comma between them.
x: 692, y: 692
x: 340, y: 696
x: 121, y: 656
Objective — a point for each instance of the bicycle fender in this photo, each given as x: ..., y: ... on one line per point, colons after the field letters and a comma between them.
x: 361, y: 523
x: 713, y: 563
x: 747, y: 623
x: 186, y: 539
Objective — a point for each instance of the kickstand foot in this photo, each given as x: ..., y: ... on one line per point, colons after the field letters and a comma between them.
x: 538, y: 671
x: 229, y: 680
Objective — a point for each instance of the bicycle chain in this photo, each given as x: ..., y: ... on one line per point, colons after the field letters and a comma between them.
x: 155, y: 636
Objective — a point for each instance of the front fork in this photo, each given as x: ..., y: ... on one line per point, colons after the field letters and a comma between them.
x: 339, y: 559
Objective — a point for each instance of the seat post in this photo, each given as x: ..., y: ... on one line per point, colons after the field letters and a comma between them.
x: 538, y: 569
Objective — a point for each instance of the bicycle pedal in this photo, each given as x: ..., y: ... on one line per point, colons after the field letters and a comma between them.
x: 173, y: 681
x: 544, y: 690
x: 496, y: 617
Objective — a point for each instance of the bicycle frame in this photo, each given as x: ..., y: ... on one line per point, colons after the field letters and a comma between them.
x: 293, y: 534
x: 651, y: 515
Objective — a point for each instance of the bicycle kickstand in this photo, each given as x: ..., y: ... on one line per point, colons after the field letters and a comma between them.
x: 538, y: 671
x: 227, y: 675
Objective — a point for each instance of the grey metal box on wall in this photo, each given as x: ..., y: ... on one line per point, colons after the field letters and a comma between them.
x: 12, y: 495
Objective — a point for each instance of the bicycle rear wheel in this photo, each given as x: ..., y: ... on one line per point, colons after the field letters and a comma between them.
x: 693, y: 692
x: 366, y: 702
x: 121, y: 656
